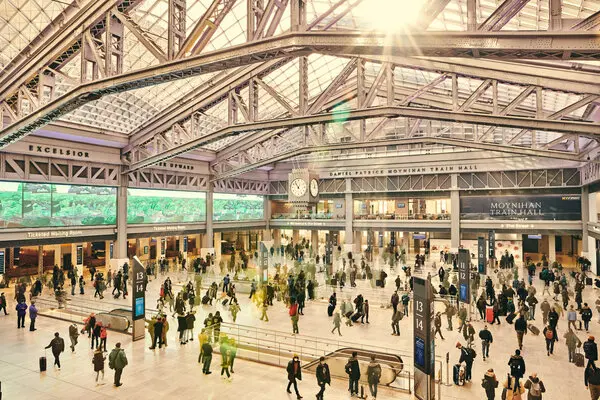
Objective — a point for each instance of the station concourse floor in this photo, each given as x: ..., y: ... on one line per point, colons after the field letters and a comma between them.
x: 174, y: 371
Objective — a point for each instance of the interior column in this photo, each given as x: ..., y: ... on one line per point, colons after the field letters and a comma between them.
x: 455, y: 215
x: 349, y: 216
x: 208, y: 242
x: 551, y: 248
x: 120, y: 247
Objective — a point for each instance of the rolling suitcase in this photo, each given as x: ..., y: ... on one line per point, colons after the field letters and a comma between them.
x: 205, y: 299
x: 224, y: 302
x: 378, y: 283
x: 589, y: 281
x: 510, y: 318
x: 330, y: 309
x: 355, y: 317
x: 578, y: 360
x: 533, y: 329
x: 456, y: 375
x: 489, y: 314
x: 348, y: 314
x: 333, y: 282
x: 43, y: 364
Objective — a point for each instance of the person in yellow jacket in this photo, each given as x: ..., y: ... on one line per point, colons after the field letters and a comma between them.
x: 512, y: 392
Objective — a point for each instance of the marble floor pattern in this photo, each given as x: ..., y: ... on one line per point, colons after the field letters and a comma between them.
x: 174, y: 371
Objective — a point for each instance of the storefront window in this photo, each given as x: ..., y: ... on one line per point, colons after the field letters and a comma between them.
x: 324, y: 209
x: 402, y: 208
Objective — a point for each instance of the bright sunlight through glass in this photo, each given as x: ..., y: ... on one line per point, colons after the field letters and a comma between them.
x: 389, y: 15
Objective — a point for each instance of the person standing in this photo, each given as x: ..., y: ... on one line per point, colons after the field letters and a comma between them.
x: 571, y: 317
x: 294, y: 317
x: 586, y: 316
x: 572, y: 342
x: 405, y: 301
x: 532, y: 302
x: 103, y: 337
x: 81, y: 284
x: 365, y: 312
x: 206, y: 357
x: 450, y: 312
x: 323, y: 377
x: 545, y: 307
x: 216, y: 323
x: 535, y: 386
x: 395, y: 300
x: 521, y: 329
x: 98, y: 361
x: 58, y: 346
x: 263, y: 312
x: 294, y: 373
x: 96, y: 328
x: 21, y: 309
x: 117, y: 360
x: 32, y: 316
x: 73, y: 282
x: 352, y: 368
x: 373, y: 376
x: 550, y: 339
x: 3, y: 303
x: 486, y: 339
x: 466, y: 356
x: 73, y: 335
x: 489, y: 384
x: 337, y: 321
x: 157, y: 333
x: 396, y: 317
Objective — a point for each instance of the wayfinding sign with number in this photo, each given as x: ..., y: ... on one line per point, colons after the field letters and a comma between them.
x: 138, y: 306
x: 464, y: 276
x: 424, y: 346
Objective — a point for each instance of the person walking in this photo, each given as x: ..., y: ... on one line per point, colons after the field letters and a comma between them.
x: 517, y: 366
x: 450, y: 312
x: 73, y: 335
x: 532, y: 302
x: 117, y: 360
x: 586, y: 316
x: 98, y: 361
x: 486, y: 339
x: 489, y: 383
x: 437, y: 323
x: 206, y: 357
x: 572, y: 342
x: 352, y: 369
x: 3, y: 303
x: 225, y: 361
x: 21, y: 309
x: 545, y: 307
x: 294, y: 373
x: 571, y: 317
x: 396, y: 318
x: 373, y: 376
x: 58, y: 346
x: 32, y: 316
x: 591, y: 378
x: 323, y: 377
x: 81, y: 284
x: 590, y: 349
x: 405, y: 301
x: 521, y: 329
x: 365, y: 313
x: 395, y: 300
x: 263, y: 311
x: 337, y: 321
x: 96, y: 328
x: 514, y: 389
x: 550, y: 339
x: 293, y: 311
x: 535, y: 386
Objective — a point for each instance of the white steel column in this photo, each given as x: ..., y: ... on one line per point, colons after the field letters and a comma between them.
x: 267, y: 213
x: 57, y: 255
x: 314, y: 240
x: 455, y: 215
x: 589, y: 215
x: 217, y: 238
x: 208, y: 244
x: 120, y: 247
x: 277, y: 237
x: 349, y: 208
x: 551, y: 248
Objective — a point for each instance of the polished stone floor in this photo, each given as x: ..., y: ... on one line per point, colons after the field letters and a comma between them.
x: 174, y: 371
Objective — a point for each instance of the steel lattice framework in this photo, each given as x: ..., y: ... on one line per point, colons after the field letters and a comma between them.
x: 263, y: 81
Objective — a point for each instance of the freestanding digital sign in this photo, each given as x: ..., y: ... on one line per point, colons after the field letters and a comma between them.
x: 424, y: 339
x: 481, y: 262
x: 492, y: 244
x: 138, y: 306
x: 464, y: 276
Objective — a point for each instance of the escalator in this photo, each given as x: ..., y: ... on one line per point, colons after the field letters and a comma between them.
x: 391, y: 365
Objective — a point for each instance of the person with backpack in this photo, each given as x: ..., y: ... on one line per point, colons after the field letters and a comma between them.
x: 353, y: 371
x: 396, y: 318
x: 572, y: 342
x: 373, y: 376
x: 517, y: 367
x: 466, y: 356
x: 535, y: 386
x: 586, y: 316
x: 323, y: 377
x: 294, y: 372
x: 590, y: 349
x: 550, y: 339
x: 405, y: 301
x: 513, y: 389
x: 73, y: 335
x: 489, y: 383
x: 58, y: 346
x: 117, y: 360
x: 486, y: 339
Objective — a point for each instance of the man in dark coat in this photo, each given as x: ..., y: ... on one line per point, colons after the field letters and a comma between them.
x: 294, y: 372
x: 353, y: 371
x: 323, y: 377
x: 58, y: 346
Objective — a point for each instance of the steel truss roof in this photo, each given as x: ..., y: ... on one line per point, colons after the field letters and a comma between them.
x: 254, y: 77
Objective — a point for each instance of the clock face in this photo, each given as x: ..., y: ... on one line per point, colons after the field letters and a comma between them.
x: 298, y: 187
x: 314, y: 188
